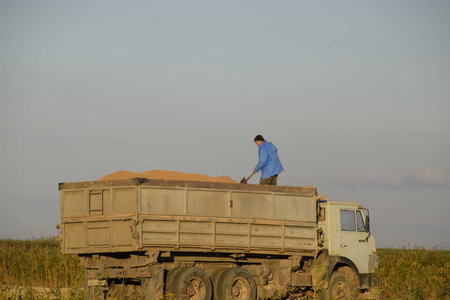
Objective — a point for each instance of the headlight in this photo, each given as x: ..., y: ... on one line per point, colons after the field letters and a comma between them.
x: 373, y: 262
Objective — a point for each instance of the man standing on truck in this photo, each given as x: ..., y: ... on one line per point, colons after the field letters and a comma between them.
x: 269, y: 163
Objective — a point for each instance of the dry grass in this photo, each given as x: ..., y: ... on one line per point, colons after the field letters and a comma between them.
x: 38, y: 263
x: 414, y: 273
x: 404, y: 273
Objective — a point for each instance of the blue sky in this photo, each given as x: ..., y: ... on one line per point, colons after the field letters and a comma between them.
x: 355, y: 95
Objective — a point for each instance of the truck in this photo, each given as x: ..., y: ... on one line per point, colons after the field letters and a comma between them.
x: 156, y: 239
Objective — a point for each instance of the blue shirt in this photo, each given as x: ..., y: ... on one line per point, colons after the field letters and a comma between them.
x: 269, y: 163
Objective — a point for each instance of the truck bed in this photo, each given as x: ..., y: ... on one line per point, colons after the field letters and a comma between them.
x: 140, y: 214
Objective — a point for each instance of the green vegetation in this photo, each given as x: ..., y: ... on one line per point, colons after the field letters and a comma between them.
x: 404, y: 273
x: 38, y: 263
x: 414, y: 273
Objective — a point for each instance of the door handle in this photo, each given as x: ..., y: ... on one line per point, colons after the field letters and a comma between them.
x: 343, y: 245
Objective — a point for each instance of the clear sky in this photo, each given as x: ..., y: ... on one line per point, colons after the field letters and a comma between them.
x: 354, y: 94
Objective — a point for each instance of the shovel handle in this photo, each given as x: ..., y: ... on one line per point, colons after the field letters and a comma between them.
x: 250, y: 176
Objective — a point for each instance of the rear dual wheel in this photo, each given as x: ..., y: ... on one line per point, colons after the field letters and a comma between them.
x: 189, y: 283
x: 233, y: 284
x: 193, y: 284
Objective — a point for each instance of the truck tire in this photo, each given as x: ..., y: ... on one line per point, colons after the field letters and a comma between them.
x: 342, y: 286
x: 215, y: 276
x: 235, y: 284
x: 170, y: 279
x: 189, y: 283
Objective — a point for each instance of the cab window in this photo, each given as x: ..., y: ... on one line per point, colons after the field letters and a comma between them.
x: 348, y: 220
x: 360, y: 222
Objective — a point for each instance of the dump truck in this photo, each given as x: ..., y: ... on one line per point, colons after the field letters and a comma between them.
x: 150, y: 239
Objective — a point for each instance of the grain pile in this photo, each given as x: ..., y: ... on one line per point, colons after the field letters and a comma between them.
x: 166, y: 175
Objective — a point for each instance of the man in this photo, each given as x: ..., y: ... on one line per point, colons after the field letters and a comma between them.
x: 269, y: 163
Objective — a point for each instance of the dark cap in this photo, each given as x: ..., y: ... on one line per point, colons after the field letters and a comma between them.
x: 259, y: 138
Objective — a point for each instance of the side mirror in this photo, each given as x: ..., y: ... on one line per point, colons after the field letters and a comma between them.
x: 367, y: 224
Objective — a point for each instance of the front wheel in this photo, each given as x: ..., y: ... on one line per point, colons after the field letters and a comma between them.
x: 342, y: 286
x: 235, y: 284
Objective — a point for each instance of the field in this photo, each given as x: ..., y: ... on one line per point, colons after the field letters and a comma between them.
x: 404, y: 273
x: 38, y: 263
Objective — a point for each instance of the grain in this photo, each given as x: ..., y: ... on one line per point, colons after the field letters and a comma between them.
x: 166, y: 175
x: 119, y: 175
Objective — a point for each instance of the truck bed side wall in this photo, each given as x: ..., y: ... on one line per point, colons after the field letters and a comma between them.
x: 134, y: 216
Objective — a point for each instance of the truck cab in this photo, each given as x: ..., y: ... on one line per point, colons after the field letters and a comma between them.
x: 346, y: 239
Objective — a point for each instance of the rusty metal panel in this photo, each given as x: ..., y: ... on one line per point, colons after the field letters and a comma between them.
x: 191, y: 239
x: 229, y: 234
x: 73, y: 203
x: 208, y: 203
x: 252, y: 205
x: 99, y: 217
x: 98, y: 233
x: 157, y: 231
x: 196, y: 226
x: 231, y: 228
x: 296, y: 208
x: 163, y: 201
x: 159, y: 238
x: 231, y: 240
x: 266, y: 241
x: 123, y: 232
x: 219, y: 233
x: 267, y: 229
x: 195, y: 232
x: 157, y: 225
x: 300, y: 236
x: 124, y: 200
x: 304, y: 190
x: 107, y: 203
x: 132, y: 214
x: 196, y: 218
x: 228, y: 203
x: 74, y: 235
x: 95, y: 202
x: 299, y: 231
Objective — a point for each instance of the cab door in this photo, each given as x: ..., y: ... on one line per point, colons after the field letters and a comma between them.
x: 354, y: 243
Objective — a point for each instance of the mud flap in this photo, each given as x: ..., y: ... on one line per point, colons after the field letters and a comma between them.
x: 153, y: 286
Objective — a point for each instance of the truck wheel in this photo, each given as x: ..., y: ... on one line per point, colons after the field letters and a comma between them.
x: 235, y: 284
x: 215, y: 280
x: 342, y: 286
x: 190, y: 283
x: 170, y: 278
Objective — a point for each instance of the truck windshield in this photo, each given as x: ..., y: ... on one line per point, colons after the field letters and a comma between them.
x: 352, y: 220
x: 360, y: 222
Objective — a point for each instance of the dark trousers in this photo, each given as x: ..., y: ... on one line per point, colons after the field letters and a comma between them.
x: 272, y: 180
